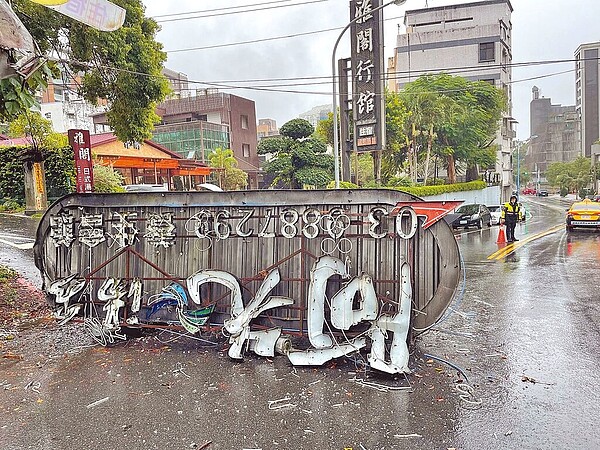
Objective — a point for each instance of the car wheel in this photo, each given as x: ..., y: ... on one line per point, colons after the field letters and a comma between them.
x: 480, y: 224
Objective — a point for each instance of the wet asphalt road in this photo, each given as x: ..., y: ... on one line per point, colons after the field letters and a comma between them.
x: 525, y: 332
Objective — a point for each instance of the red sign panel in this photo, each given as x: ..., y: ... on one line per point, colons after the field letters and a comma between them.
x: 82, y: 149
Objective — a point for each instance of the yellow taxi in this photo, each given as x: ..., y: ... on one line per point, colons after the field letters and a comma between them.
x: 584, y: 214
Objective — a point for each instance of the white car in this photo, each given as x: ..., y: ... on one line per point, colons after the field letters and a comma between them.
x: 496, y: 212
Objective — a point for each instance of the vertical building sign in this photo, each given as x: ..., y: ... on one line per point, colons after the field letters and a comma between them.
x: 82, y: 149
x: 367, y: 69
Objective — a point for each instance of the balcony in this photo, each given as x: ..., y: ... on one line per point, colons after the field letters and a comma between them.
x: 508, y: 133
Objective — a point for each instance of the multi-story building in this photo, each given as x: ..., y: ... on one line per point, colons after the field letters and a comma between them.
x: 195, y: 126
x: 65, y: 108
x: 266, y: 128
x: 587, y: 95
x: 554, y: 131
x: 316, y: 114
x: 178, y: 82
x: 472, y: 40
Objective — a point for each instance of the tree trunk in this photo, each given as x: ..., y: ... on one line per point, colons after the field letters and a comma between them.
x: 377, y: 167
x: 429, y: 144
x: 35, y: 187
x: 451, y: 169
x: 472, y: 173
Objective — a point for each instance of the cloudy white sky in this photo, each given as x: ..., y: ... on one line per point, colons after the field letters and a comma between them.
x: 543, y: 30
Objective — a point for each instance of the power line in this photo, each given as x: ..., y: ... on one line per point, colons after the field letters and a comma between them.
x: 398, y: 74
x: 239, y: 12
x: 272, y: 88
x: 219, y: 9
x: 273, y: 38
x: 253, y: 41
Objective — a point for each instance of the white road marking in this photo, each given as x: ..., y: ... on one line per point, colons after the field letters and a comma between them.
x: 15, y: 237
x: 25, y: 246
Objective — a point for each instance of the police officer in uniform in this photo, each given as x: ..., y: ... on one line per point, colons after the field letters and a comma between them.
x: 511, y: 213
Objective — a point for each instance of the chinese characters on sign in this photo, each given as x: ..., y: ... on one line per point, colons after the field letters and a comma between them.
x: 367, y: 84
x: 80, y: 141
x: 102, y: 15
x: 313, y: 276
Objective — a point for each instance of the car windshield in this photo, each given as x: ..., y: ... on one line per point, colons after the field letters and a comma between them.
x: 468, y: 209
x: 494, y: 208
x: 585, y: 207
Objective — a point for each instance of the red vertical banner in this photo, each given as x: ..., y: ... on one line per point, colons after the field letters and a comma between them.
x: 82, y: 149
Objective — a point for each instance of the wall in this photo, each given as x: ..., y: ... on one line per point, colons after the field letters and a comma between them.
x: 487, y: 196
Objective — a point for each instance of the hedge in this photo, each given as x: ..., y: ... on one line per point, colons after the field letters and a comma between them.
x: 426, y: 191
x: 59, y: 169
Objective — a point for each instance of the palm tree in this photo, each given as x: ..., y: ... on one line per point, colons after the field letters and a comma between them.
x: 222, y: 159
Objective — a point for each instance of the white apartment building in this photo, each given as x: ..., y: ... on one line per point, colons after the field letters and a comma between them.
x: 472, y: 40
x: 316, y: 114
x: 587, y: 96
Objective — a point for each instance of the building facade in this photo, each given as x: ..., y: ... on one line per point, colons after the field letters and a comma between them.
x: 554, y: 131
x: 266, y: 128
x: 316, y: 114
x: 472, y: 40
x: 65, y: 108
x: 178, y: 82
x: 195, y: 126
x: 587, y: 97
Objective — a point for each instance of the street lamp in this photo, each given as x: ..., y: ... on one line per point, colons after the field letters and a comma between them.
x: 336, y: 136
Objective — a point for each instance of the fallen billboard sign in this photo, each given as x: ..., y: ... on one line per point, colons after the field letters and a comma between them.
x: 313, y: 275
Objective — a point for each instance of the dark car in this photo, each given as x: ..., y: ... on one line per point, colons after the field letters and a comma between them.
x: 542, y: 193
x: 472, y: 215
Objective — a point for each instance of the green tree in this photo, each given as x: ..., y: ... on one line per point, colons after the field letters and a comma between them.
x: 59, y: 168
x: 222, y: 159
x: 122, y: 66
x: 107, y: 180
x: 298, y: 160
x: 33, y: 125
x: 234, y: 179
x: 393, y: 156
x: 364, y: 169
x: 454, y: 118
x: 571, y: 176
x: 18, y: 94
x: 324, y: 130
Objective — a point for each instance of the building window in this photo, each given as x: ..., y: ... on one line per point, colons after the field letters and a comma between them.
x: 244, y: 120
x: 246, y: 150
x: 486, y: 52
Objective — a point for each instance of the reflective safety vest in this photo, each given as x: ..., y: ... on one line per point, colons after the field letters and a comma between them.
x: 510, y: 212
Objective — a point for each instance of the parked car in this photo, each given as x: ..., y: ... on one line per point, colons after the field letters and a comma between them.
x: 542, y: 193
x: 584, y: 214
x: 472, y: 215
x: 495, y: 213
x: 147, y: 188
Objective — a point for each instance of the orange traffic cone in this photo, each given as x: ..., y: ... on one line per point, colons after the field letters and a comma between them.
x: 501, y: 236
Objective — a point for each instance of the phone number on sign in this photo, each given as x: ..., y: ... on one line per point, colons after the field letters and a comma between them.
x: 309, y: 223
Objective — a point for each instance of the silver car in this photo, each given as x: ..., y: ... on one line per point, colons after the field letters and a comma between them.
x: 495, y: 212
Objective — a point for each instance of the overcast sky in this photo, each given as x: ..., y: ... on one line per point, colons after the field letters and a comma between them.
x: 543, y: 30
